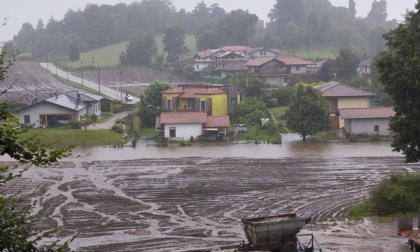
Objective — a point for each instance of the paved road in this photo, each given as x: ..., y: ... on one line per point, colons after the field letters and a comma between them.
x: 109, y: 122
x: 104, y: 90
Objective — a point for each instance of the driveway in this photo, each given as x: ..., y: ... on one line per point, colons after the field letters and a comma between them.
x: 109, y: 122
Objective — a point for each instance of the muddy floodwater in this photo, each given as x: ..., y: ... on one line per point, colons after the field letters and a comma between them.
x: 193, y: 198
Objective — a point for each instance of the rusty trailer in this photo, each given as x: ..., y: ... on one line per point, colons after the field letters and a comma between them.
x: 406, y: 229
x: 277, y: 233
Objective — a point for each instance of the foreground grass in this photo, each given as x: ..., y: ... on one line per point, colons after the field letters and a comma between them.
x: 60, y: 138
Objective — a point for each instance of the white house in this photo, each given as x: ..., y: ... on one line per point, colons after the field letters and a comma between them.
x: 184, y: 125
x: 61, y: 108
x: 361, y: 121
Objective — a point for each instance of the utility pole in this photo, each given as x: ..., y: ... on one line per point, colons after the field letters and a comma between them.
x: 81, y: 70
x: 99, y: 80
x: 121, y: 84
x: 67, y: 69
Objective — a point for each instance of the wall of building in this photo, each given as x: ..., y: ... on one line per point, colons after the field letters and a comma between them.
x: 356, y: 102
x: 367, y: 126
x: 35, y: 111
x: 219, y: 104
x: 184, y: 131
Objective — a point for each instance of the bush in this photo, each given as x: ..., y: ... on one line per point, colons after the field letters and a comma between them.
x: 272, y: 103
x: 118, y: 108
x: 94, y: 118
x: 75, y: 125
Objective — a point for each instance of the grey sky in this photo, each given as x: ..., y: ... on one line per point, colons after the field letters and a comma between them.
x: 23, y: 11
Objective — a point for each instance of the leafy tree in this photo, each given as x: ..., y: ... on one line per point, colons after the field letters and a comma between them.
x: 174, y: 43
x: 308, y: 112
x: 286, y: 11
x: 238, y: 28
x: 140, y: 50
x: 352, y: 7
x: 153, y: 93
x: 16, y: 217
x: 86, y: 120
x: 250, y: 86
x: 207, y: 37
x: 377, y: 14
x: 398, y: 72
x: 74, y: 54
x: 250, y: 111
x: 345, y: 65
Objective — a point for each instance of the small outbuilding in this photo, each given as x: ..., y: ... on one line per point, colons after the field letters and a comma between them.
x: 184, y: 125
x: 367, y: 121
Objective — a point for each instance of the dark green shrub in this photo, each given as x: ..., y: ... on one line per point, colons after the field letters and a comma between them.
x: 74, y: 125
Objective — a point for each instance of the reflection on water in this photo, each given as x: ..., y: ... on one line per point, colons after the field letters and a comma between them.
x: 292, y: 147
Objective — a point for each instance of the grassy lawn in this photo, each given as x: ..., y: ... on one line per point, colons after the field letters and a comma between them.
x: 278, y: 112
x: 148, y: 132
x: 67, y: 137
x: 257, y: 135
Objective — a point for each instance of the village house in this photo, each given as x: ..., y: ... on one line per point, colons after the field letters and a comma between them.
x: 184, y: 126
x: 219, y: 57
x: 367, y: 121
x: 212, y: 99
x: 277, y: 70
x: 342, y: 96
x: 61, y: 109
x: 364, y: 68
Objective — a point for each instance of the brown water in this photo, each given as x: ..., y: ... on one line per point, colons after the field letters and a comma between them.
x: 292, y: 147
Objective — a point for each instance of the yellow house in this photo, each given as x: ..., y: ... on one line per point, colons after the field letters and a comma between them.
x: 342, y: 96
x: 210, y: 99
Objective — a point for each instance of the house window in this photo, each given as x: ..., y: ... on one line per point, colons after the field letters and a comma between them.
x: 172, y: 132
x: 27, y: 119
x: 202, y: 105
x: 297, y: 68
x: 198, y: 66
x: 169, y: 104
x: 376, y: 128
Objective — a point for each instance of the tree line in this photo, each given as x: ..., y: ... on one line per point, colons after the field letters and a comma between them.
x: 292, y: 25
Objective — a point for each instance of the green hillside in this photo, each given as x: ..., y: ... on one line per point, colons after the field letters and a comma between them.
x: 109, y: 56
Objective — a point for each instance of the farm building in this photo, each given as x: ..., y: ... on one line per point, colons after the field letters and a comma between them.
x: 367, y: 121
x: 61, y: 109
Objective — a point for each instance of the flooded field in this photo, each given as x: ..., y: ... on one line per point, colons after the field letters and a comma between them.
x: 165, y: 202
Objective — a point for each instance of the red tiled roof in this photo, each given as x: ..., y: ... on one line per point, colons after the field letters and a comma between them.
x: 292, y: 60
x: 183, y: 118
x: 191, y: 92
x: 235, y: 48
x: 367, y: 113
x: 217, y: 121
x: 336, y: 89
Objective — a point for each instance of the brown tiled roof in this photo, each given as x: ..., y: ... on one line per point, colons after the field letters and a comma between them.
x: 191, y: 92
x: 183, y: 118
x: 235, y: 48
x: 217, y: 121
x: 367, y: 113
x: 336, y: 89
x: 207, y: 53
x: 293, y: 61
x: 259, y: 61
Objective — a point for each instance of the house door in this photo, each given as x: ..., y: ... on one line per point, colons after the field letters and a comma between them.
x: 172, y: 132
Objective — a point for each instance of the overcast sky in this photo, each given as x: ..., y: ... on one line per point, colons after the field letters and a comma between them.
x: 23, y: 11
